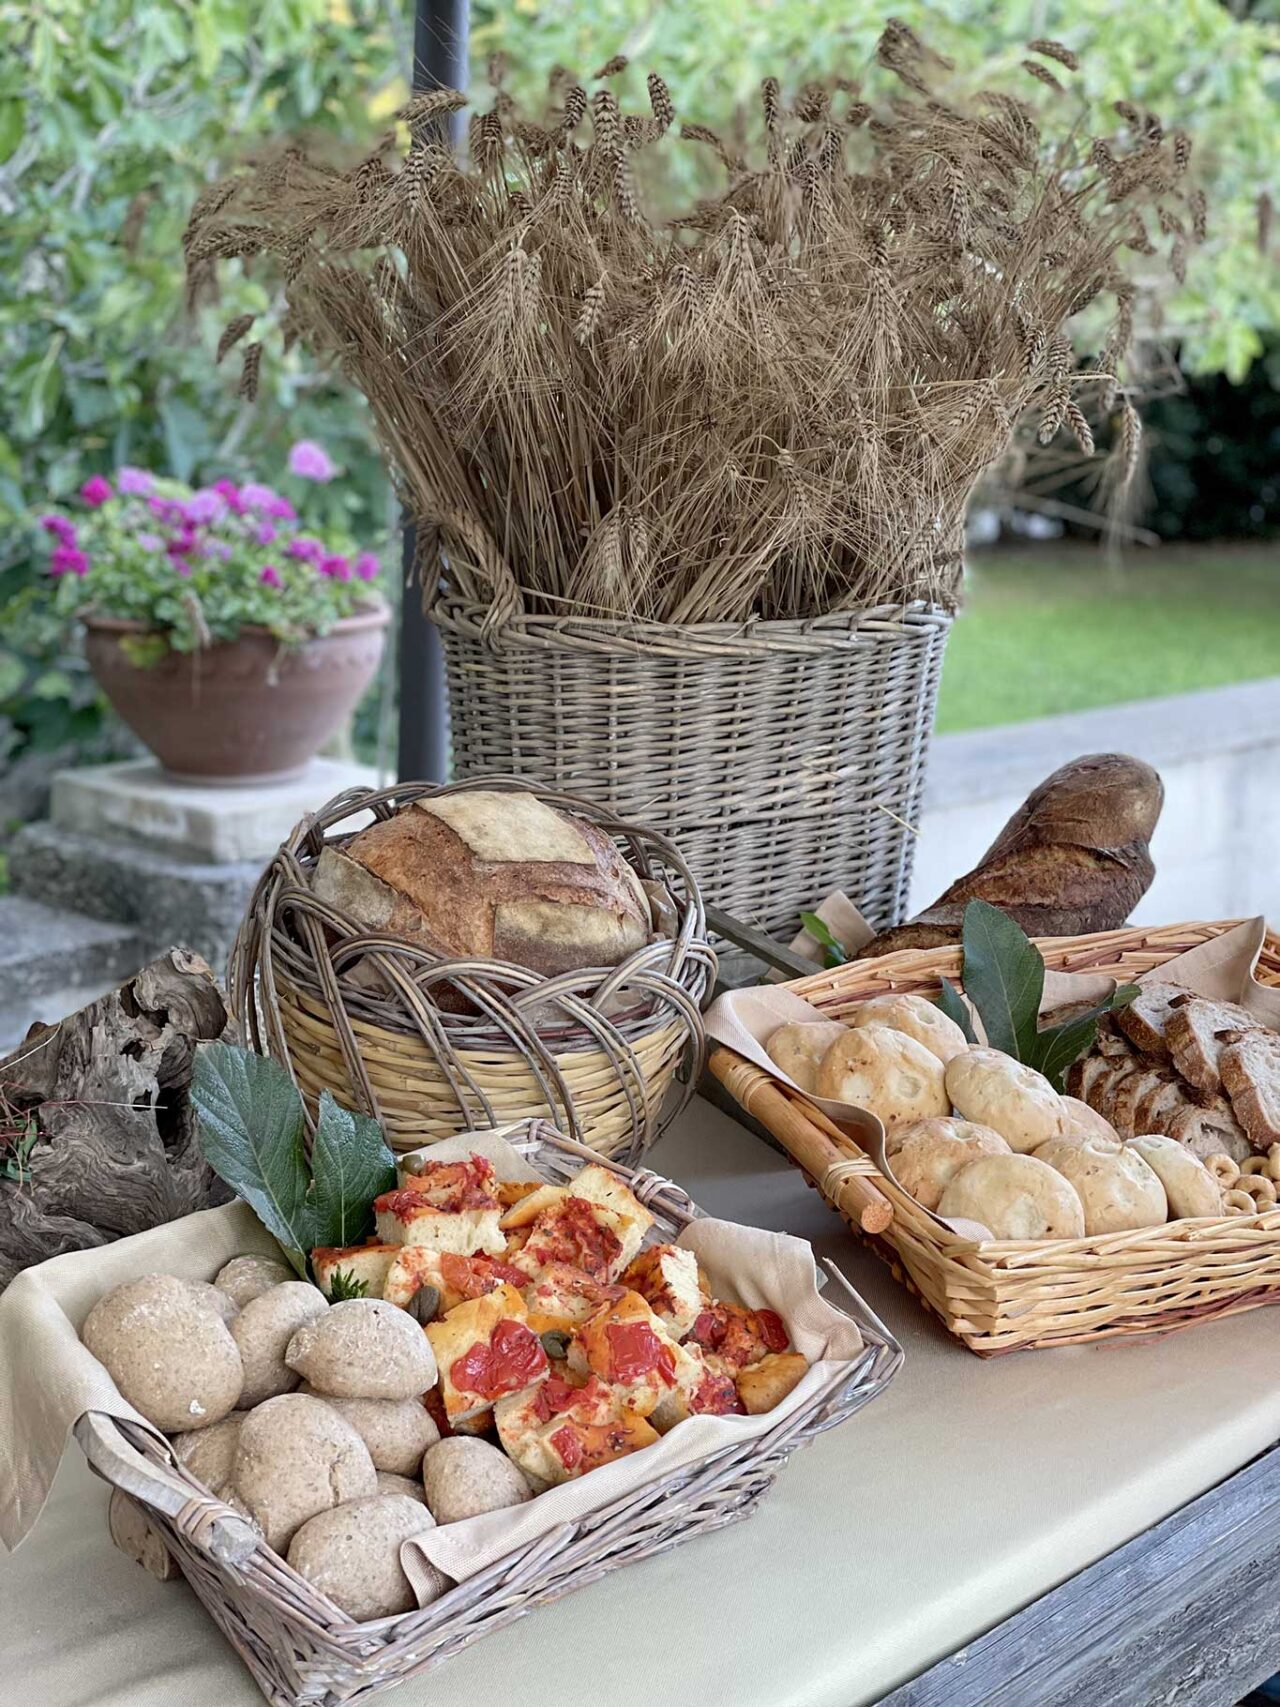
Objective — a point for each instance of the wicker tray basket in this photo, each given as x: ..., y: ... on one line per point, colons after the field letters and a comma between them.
x: 304, y: 1652
x: 784, y: 759
x: 1006, y: 1295
x: 601, y: 1065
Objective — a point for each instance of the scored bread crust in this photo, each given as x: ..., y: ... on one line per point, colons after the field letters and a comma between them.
x: 552, y: 914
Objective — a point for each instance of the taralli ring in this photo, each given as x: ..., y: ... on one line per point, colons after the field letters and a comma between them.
x: 1273, y: 1162
x: 1238, y: 1203
x: 1260, y: 1189
x: 1223, y: 1169
x: 1255, y: 1165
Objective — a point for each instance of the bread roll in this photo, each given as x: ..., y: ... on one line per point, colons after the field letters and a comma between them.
x: 496, y: 875
x: 994, y: 1090
x: 887, y: 1073
x: 352, y: 1555
x: 246, y: 1278
x: 1120, y: 1193
x: 363, y: 1348
x: 167, y: 1350
x: 262, y: 1332
x: 210, y: 1453
x: 927, y: 1154
x: 798, y: 1049
x: 1083, y: 1124
x: 295, y: 1457
x: 918, y: 1018
x: 1015, y: 1197
x: 463, y: 1477
x: 1188, y: 1184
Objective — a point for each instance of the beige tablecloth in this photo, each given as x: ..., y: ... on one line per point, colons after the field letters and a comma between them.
x: 966, y: 1491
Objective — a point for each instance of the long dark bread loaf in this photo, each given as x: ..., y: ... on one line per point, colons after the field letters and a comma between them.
x: 1073, y: 859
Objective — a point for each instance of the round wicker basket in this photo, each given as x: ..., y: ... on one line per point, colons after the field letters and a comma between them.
x: 607, y: 1055
x: 785, y: 759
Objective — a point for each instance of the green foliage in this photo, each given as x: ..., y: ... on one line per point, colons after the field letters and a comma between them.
x: 251, y: 1135
x: 198, y: 567
x: 343, y: 1285
x: 113, y: 114
x: 833, y: 951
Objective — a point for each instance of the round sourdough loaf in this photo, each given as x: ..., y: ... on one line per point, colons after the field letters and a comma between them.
x: 926, y: 1155
x: 492, y: 875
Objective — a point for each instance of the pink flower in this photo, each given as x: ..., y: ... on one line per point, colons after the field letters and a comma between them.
x: 62, y: 528
x: 308, y: 550
x: 236, y: 500
x: 181, y: 567
x: 336, y: 567
x: 180, y: 546
x: 266, y: 534
x: 96, y: 491
x: 66, y: 560
x: 367, y: 566
x: 150, y: 541
x: 167, y: 509
x: 135, y: 482
x: 310, y: 461
x: 270, y: 576
x: 204, y: 506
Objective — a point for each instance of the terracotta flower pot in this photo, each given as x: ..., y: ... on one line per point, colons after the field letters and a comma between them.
x: 244, y: 710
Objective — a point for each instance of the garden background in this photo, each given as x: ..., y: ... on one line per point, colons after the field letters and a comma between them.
x: 113, y: 113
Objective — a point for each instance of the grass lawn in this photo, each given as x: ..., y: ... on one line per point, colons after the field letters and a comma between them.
x: 1057, y: 628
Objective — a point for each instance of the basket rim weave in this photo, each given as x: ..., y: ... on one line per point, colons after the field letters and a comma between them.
x: 291, y: 940
x: 1004, y: 1295
x: 315, y: 1639
x: 642, y: 638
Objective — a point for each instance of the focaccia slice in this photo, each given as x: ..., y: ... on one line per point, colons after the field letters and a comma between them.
x: 410, y: 1218
x: 763, y: 1385
x: 737, y: 1336
x: 625, y: 1345
x: 364, y: 1266
x: 471, y: 1184
x: 666, y: 1277
x: 557, y: 1432
x: 563, y: 1297
x: 455, y: 1278
x: 704, y: 1387
x: 485, y: 1350
x: 584, y: 1234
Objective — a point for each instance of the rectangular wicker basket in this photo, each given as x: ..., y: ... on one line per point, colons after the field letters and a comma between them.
x: 1004, y: 1295
x: 304, y: 1652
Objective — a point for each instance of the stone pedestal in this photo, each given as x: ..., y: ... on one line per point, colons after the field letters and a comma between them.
x: 171, y: 862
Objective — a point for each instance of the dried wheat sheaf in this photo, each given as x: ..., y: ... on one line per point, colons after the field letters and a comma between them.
x: 776, y: 404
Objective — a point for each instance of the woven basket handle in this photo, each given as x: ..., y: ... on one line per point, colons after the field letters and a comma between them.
x: 204, y: 1521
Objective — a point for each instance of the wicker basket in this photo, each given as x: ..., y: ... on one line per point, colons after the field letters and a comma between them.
x: 302, y: 1649
x: 597, y: 1052
x: 784, y: 759
x: 1004, y: 1295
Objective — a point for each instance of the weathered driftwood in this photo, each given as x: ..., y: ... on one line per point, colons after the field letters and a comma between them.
x: 105, y: 1093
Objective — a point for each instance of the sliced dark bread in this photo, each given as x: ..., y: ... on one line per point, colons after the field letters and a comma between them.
x: 1250, y: 1069
x: 1211, y: 1132
x: 1143, y: 1021
x: 1198, y: 1031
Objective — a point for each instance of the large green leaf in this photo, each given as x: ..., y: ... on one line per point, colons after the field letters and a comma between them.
x: 1057, y: 1046
x: 352, y: 1165
x: 955, y: 1007
x: 251, y: 1134
x: 1003, y: 978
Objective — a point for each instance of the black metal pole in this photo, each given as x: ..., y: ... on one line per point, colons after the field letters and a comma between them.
x: 439, y: 62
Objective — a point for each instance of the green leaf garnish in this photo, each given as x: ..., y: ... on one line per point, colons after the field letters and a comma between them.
x: 343, y: 1284
x: 350, y: 1165
x: 251, y: 1135
x: 833, y: 951
x: 1003, y: 978
x: 1057, y: 1046
x: 956, y: 1008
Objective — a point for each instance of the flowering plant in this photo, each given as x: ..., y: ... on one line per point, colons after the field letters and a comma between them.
x: 197, y: 566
